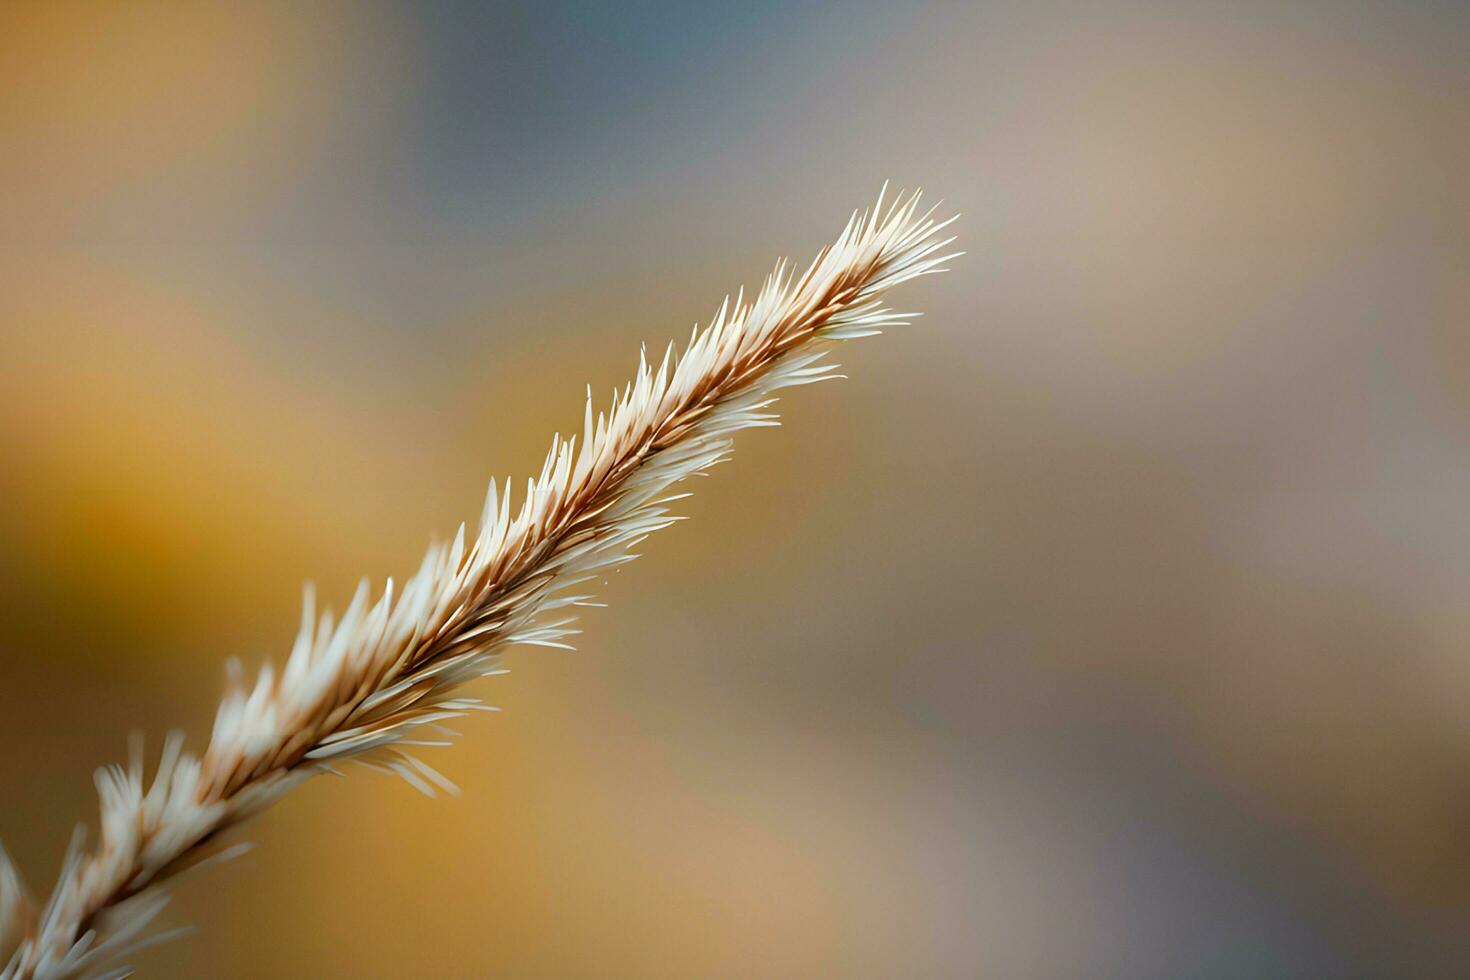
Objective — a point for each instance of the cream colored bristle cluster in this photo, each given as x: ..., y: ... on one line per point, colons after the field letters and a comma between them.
x: 373, y: 687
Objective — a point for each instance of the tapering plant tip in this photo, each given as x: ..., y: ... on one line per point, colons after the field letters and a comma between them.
x: 384, y: 677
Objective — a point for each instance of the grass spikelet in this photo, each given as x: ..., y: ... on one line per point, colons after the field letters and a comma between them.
x: 375, y: 686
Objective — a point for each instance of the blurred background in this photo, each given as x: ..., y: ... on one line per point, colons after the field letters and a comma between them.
x: 1111, y: 622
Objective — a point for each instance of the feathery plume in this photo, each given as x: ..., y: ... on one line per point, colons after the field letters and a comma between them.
x: 372, y: 687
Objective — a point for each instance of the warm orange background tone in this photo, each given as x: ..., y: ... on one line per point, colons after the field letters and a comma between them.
x: 1110, y: 623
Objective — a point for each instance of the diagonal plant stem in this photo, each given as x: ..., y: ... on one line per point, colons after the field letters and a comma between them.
x: 376, y: 684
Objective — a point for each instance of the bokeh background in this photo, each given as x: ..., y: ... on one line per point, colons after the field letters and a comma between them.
x: 1112, y: 622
